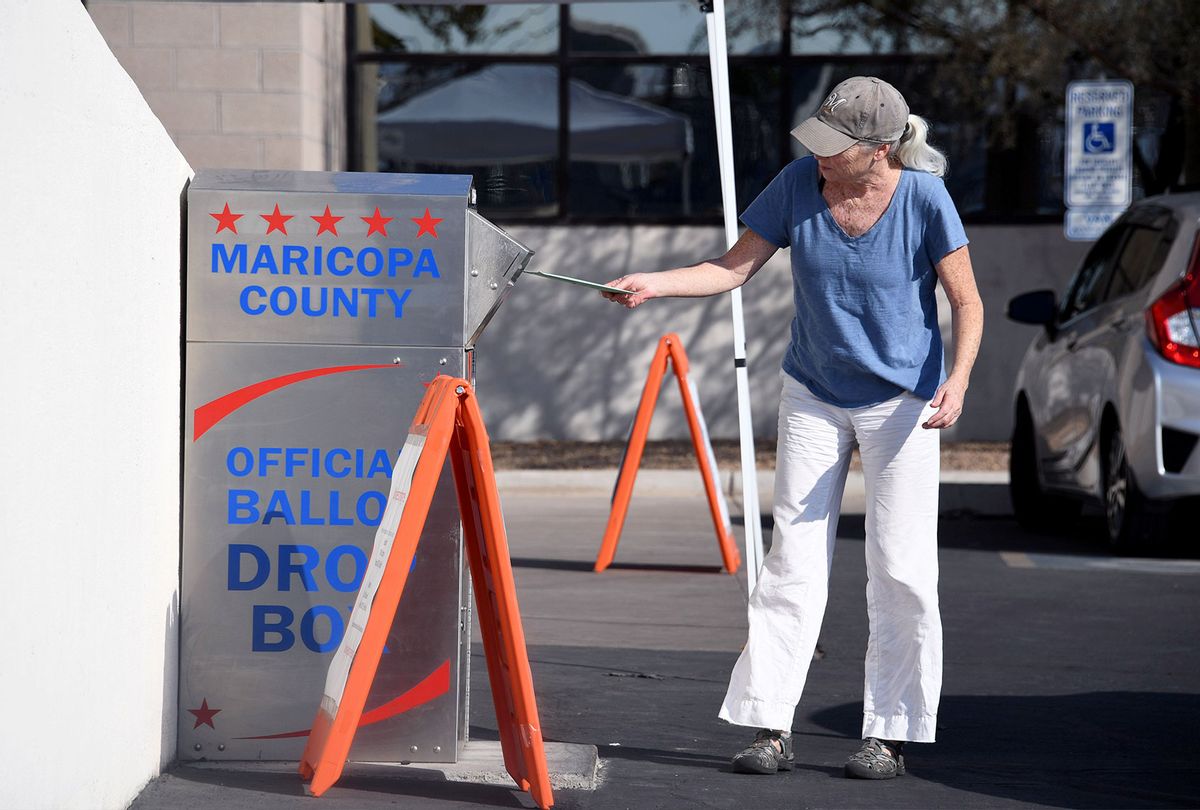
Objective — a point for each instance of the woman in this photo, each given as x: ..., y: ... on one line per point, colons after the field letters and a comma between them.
x: 872, y: 230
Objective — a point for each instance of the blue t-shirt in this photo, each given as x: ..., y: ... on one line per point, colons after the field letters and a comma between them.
x: 866, y: 325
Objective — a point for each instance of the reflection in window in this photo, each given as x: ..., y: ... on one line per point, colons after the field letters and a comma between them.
x: 820, y: 27
x: 757, y: 130
x: 1139, y: 261
x: 640, y: 140
x: 672, y: 27
x: 528, y: 28
x: 819, y: 34
x: 647, y: 27
x: 499, y: 123
x: 1090, y: 282
x: 633, y: 140
x: 754, y: 27
x: 643, y: 139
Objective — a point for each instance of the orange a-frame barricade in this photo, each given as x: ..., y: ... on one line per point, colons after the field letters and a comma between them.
x: 448, y: 422
x: 670, y: 351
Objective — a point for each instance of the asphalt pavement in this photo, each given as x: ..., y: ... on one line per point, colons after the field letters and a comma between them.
x: 1072, y: 678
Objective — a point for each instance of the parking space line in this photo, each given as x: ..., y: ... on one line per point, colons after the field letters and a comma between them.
x: 1084, y: 562
x: 1016, y: 559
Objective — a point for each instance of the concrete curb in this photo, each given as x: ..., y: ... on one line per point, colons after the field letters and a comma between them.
x: 979, y: 492
x: 572, y: 766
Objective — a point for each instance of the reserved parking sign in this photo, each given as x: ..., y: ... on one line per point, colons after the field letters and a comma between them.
x: 1099, y: 154
x: 1098, y: 176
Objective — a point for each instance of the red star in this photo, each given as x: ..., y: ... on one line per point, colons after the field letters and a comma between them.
x: 375, y: 223
x: 327, y: 222
x: 204, y: 715
x: 427, y: 225
x: 276, y: 221
x: 226, y: 220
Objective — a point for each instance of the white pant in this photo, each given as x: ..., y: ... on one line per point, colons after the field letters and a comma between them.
x: 900, y: 462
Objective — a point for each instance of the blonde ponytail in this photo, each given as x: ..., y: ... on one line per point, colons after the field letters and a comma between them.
x: 913, y: 149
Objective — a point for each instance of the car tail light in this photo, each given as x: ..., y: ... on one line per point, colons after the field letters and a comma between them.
x: 1173, y: 320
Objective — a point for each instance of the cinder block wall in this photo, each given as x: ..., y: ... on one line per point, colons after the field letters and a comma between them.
x: 89, y: 420
x: 238, y: 85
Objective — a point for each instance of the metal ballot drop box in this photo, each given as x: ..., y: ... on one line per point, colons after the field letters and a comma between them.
x: 318, y: 307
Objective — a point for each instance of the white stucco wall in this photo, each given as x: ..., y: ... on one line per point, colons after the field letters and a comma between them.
x: 559, y: 362
x: 89, y: 420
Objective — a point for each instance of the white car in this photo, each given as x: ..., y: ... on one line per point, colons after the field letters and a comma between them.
x: 1107, y: 400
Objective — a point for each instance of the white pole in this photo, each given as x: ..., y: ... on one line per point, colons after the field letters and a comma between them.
x: 719, y: 64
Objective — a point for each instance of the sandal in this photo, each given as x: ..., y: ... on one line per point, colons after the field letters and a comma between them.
x: 878, y: 759
x: 769, y: 753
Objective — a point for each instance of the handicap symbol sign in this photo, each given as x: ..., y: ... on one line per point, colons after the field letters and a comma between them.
x: 1099, y: 137
x: 1098, y: 153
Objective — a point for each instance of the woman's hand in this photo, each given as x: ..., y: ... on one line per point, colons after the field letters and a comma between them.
x: 731, y: 270
x: 966, y: 312
x: 949, y: 403
x: 640, y: 286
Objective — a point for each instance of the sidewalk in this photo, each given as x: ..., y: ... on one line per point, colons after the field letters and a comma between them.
x: 976, y: 492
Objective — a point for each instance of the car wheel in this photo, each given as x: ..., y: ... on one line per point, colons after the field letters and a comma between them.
x: 1034, y: 508
x: 1133, y: 521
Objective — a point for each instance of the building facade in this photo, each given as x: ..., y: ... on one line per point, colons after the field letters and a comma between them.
x: 590, y: 133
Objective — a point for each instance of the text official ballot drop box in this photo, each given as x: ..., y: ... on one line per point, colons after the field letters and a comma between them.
x: 318, y: 307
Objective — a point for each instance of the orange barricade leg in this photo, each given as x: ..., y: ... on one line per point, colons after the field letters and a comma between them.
x: 633, y: 456
x: 496, y: 598
x: 337, y: 718
x: 448, y: 420
x: 670, y: 352
x: 729, y: 552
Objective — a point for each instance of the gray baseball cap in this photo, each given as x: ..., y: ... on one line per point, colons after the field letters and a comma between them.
x: 862, y: 108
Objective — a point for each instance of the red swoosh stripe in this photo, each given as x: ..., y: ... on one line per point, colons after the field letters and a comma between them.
x: 209, y: 414
x: 435, y: 684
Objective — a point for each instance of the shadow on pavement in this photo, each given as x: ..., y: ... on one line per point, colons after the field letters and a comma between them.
x: 719, y: 763
x: 674, y: 759
x: 1095, y: 749
x: 279, y: 784
x: 585, y: 565
x: 412, y: 783
x: 995, y: 533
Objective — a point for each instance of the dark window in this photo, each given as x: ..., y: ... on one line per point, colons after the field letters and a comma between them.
x: 602, y: 111
x: 633, y: 145
x: 498, y: 122
x: 816, y: 34
x: 1140, y: 257
x: 1091, y: 280
x: 518, y: 28
x: 761, y: 132
x: 669, y: 28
